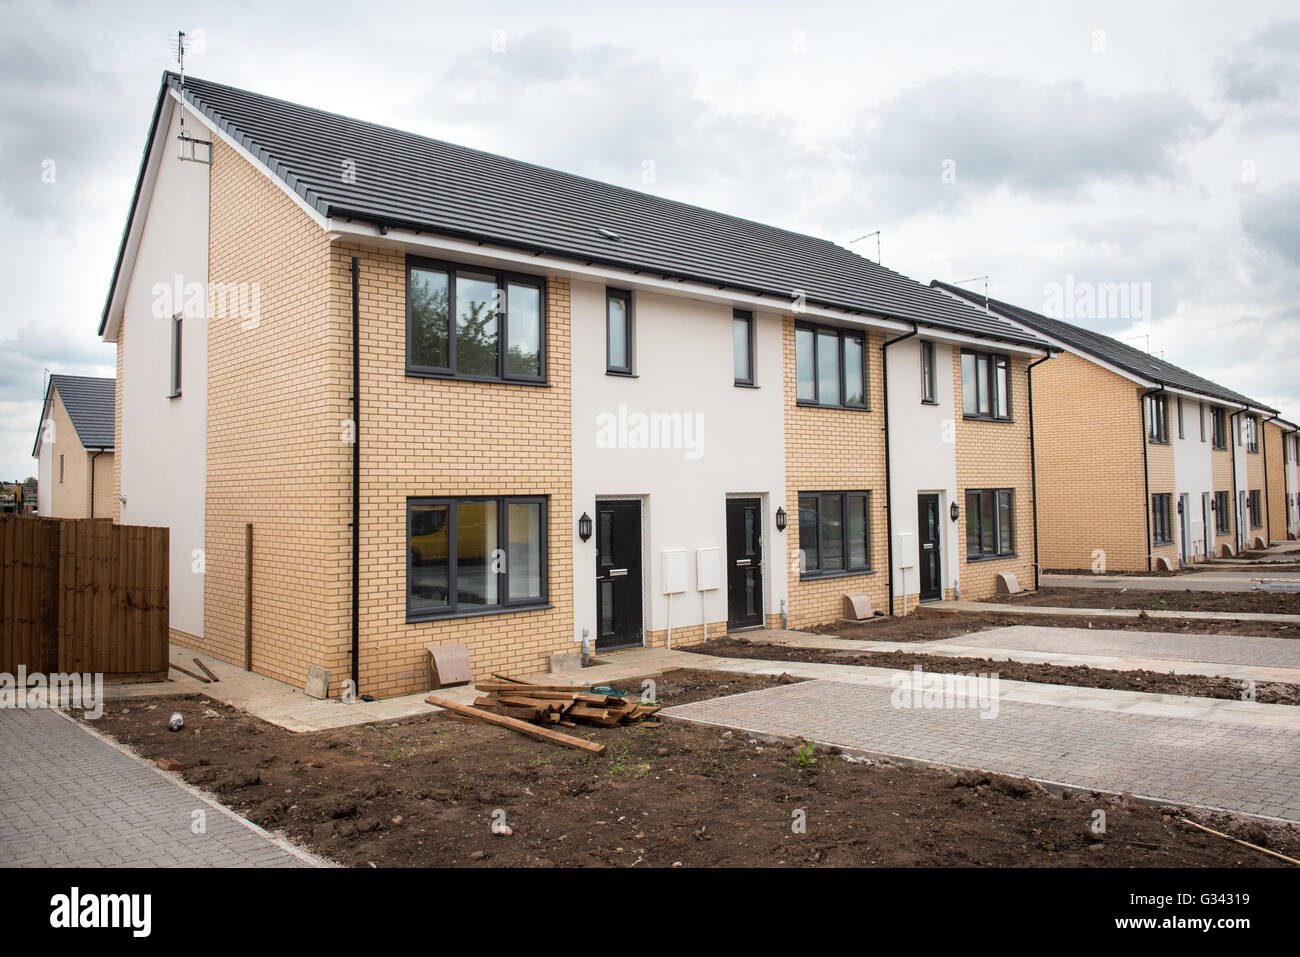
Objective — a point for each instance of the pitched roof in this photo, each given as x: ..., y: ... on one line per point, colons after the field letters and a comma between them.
x: 413, y: 182
x: 1133, y: 361
x: 89, y: 401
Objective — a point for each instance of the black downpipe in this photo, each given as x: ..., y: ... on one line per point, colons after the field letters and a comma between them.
x: 356, y: 477
x: 1033, y: 462
x: 889, y: 501
x: 1146, y: 467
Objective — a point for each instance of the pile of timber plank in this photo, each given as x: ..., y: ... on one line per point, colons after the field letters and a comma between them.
x: 566, y: 705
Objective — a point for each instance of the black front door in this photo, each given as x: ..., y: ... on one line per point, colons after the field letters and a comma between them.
x: 744, y: 562
x: 928, y: 537
x: 618, y: 575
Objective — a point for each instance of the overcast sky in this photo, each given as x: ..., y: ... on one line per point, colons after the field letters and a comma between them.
x: 1152, y: 143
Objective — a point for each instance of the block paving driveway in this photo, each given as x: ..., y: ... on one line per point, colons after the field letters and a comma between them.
x: 68, y: 799
x: 1234, y: 766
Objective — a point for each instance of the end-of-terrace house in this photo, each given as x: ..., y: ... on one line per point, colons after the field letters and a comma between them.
x: 1282, y: 479
x: 74, y: 448
x: 1141, y: 464
x: 390, y: 392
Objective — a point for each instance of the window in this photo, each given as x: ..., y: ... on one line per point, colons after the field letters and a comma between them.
x: 1222, y: 513
x: 1158, y: 419
x: 60, y: 469
x: 1161, y: 526
x: 1252, y: 433
x: 990, y: 523
x: 1181, y: 433
x: 618, y: 332
x: 472, y: 323
x: 1256, y: 510
x: 830, y: 367
x: 834, y: 533
x: 927, y: 372
x: 474, y: 555
x: 176, y: 357
x: 1201, y: 411
x: 742, y: 346
x: 985, y: 386
x: 1219, y: 418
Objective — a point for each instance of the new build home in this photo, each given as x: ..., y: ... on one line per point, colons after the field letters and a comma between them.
x: 1282, y: 479
x: 74, y: 448
x: 1140, y: 464
x: 389, y: 392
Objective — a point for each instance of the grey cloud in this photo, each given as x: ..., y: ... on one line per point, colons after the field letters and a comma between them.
x: 1265, y: 69
x: 1271, y: 220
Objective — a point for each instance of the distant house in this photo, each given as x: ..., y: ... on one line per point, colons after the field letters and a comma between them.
x: 1141, y: 464
x: 75, y: 448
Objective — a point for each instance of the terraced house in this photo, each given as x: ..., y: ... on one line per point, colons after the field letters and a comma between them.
x: 438, y: 396
x: 1141, y: 464
x: 1282, y: 479
x: 74, y: 448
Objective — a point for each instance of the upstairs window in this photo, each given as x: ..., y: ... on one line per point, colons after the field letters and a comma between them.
x: 1158, y: 419
x: 985, y: 386
x: 176, y: 357
x: 1219, y: 419
x: 830, y: 367
x: 927, y: 373
x: 618, y: 332
x: 470, y: 323
x: 742, y: 346
x: 1252, y: 433
x: 1181, y: 433
x: 1201, y: 410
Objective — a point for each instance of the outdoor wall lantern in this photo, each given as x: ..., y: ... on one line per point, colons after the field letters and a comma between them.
x: 780, y: 520
x: 954, y: 511
x: 584, y: 527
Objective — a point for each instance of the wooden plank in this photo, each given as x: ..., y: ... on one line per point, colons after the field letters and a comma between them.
x: 186, y: 671
x: 532, y: 689
x: 523, y: 727
x: 509, y: 680
x: 206, y: 670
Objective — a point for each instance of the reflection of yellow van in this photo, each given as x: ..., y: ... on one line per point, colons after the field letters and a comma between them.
x: 429, y: 532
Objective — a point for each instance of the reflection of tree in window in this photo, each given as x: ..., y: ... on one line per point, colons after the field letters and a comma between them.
x: 476, y: 325
x: 429, y: 332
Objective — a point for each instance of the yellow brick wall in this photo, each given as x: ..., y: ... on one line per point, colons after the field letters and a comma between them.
x: 996, y: 455
x: 276, y: 394
x: 829, y: 450
x: 104, y: 490
x: 69, y: 486
x: 429, y: 436
x: 1089, y: 437
x: 1254, y: 481
x: 1277, y: 486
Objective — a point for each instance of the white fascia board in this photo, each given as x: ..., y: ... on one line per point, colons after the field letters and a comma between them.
x: 956, y: 338
x: 478, y: 253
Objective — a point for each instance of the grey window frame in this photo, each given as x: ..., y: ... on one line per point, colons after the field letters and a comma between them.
x: 819, y: 572
x: 927, y: 373
x: 1255, y: 506
x: 1222, y: 513
x: 1157, y: 414
x: 1001, y: 549
x: 995, y: 361
x: 747, y: 317
x: 1178, y: 400
x: 1219, y: 429
x: 624, y: 296
x: 176, y: 353
x: 841, y: 335
x: 1252, y: 427
x: 504, y: 604
x: 1162, y: 518
x: 504, y: 280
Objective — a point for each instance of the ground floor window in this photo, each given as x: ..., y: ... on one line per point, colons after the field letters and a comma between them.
x: 470, y: 555
x: 1256, y: 510
x: 990, y: 523
x: 1162, y: 528
x: 834, y: 532
x: 1222, y: 513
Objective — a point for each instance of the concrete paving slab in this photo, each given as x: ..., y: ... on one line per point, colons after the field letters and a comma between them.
x: 1152, y: 755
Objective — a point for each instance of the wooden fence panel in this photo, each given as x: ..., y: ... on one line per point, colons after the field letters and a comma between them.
x: 83, y: 595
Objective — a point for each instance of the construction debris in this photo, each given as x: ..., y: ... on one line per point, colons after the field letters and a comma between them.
x: 533, y: 709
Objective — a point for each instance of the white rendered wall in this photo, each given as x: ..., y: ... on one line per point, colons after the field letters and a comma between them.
x: 45, y: 479
x: 683, y: 364
x: 923, y: 458
x: 164, y: 440
x: 1193, y: 473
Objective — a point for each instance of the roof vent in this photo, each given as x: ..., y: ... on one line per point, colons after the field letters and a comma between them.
x: 609, y: 234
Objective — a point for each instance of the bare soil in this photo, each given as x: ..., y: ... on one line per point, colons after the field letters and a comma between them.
x: 1154, y: 682
x: 1269, y: 603
x: 423, y: 791
x: 929, y: 626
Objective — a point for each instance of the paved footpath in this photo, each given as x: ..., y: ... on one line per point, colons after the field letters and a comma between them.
x: 1254, y: 769
x: 1222, y: 581
x: 70, y: 799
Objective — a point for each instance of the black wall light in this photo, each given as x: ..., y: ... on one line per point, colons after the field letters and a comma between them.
x: 584, y: 527
x: 780, y: 520
x: 954, y: 511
